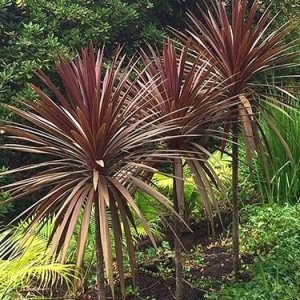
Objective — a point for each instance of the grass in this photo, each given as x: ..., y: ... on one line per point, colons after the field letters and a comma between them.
x: 283, y: 167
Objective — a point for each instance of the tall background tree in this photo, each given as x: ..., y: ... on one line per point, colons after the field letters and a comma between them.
x: 242, y: 45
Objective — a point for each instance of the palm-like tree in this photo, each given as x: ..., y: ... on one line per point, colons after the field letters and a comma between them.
x: 187, y: 95
x: 240, y: 47
x: 92, y: 136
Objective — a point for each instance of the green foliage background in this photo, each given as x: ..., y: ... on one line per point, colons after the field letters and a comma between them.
x: 271, y: 234
x: 34, y: 32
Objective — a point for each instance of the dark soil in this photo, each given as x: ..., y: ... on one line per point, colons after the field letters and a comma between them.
x: 152, y: 288
x: 217, y: 269
x: 218, y: 263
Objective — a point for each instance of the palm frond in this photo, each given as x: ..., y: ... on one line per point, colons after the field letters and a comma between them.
x: 28, y: 265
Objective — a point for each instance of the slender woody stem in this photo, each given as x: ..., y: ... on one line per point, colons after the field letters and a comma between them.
x: 178, y: 186
x: 99, y: 256
x: 235, y: 195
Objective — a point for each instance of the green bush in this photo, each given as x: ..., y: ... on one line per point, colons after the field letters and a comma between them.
x: 272, y: 234
x: 4, y: 196
x: 34, y: 32
x: 288, y: 9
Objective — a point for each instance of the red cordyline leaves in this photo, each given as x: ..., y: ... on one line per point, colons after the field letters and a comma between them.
x: 185, y: 89
x: 189, y: 94
x: 93, y: 134
x: 241, y: 48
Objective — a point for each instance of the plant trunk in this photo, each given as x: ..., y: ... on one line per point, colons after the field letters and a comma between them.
x: 235, y: 195
x: 178, y: 186
x: 99, y: 256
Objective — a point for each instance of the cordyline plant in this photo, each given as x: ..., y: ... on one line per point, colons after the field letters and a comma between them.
x: 187, y: 95
x: 240, y: 48
x: 91, y: 136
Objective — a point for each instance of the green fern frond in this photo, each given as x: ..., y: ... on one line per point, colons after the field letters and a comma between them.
x: 27, y: 265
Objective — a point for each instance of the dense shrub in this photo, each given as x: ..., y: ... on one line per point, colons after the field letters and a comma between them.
x: 4, y: 196
x: 289, y: 9
x: 271, y: 234
x: 34, y: 32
